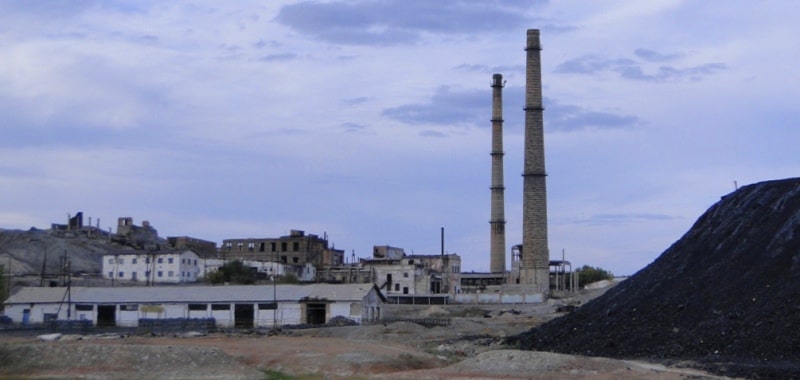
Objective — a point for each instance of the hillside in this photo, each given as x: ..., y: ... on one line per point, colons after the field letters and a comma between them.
x: 25, y: 251
x: 726, y: 294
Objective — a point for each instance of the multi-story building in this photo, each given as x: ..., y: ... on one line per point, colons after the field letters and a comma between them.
x: 266, y: 269
x: 296, y: 249
x: 153, y: 267
x: 203, y: 248
x: 396, y: 273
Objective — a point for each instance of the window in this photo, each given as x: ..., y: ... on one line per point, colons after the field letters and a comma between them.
x: 261, y: 246
x: 84, y: 307
x: 272, y: 246
x: 295, y: 259
x: 160, y: 260
x: 133, y: 276
x: 405, y: 274
x: 169, y: 260
x: 239, y: 246
x: 295, y: 246
x: 283, y: 246
x: 147, y: 260
x: 267, y: 306
x: 128, y: 307
x: 110, y: 274
x: 250, y: 247
x: 134, y: 261
x: 147, y: 274
x: 197, y: 306
x: 121, y: 274
x: 121, y: 261
x: 195, y: 261
x: 111, y: 260
x: 160, y: 274
x: 220, y: 306
x: 283, y: 259
x: 405, y: 290
x: 169, y: 274
x: 397, y: 287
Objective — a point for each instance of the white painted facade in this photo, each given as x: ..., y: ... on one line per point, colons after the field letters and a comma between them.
x: 235, y: 305
x: 162, y: 267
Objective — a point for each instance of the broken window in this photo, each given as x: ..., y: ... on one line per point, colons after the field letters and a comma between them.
x: 261, y: 246
x: 295, y: 260
x: 295, y: 246
x: 283, y: 246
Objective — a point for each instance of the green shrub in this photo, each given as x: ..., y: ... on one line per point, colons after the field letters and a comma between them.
x: 588, y: 275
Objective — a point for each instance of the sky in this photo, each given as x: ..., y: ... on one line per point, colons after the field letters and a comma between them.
x: 369, y: 121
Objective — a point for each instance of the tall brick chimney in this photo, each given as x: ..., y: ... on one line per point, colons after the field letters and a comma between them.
x: 497, y: 223
x: 535, y: 261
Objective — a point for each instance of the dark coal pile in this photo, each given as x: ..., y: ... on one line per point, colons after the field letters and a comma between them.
x: 726, y: 295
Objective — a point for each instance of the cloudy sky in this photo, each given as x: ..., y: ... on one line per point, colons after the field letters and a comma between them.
x: 368, y: 121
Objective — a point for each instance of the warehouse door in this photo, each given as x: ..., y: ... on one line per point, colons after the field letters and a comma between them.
x: 106, y: 315
x: 315, y: 313
x: 243, y: 315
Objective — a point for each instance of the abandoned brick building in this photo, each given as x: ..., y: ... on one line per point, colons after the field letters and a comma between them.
x: 298, y: 248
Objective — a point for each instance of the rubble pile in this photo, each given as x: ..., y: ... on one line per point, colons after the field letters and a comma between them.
x: 726, y: 295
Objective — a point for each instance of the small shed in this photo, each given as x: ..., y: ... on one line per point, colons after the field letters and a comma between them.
x: 244, y: 306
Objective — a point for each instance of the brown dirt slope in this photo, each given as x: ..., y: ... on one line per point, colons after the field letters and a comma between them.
x: 727, y: 294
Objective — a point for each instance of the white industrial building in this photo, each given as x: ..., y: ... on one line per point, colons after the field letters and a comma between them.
x: 236, y: 305
x: 174, y: 267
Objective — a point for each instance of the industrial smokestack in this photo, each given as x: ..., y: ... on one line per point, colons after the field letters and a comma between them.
x: 497, y: 241
x: 534, y: 268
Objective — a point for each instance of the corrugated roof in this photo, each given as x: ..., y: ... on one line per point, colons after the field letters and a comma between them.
x: 199, y: 294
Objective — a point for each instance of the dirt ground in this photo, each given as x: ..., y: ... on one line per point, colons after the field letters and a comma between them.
x: 470, y: 348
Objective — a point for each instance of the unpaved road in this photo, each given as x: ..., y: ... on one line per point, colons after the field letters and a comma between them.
x: 467, y: 349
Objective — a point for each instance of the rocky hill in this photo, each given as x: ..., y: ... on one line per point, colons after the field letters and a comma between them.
x: 24, y: 253
x: 727, y: 294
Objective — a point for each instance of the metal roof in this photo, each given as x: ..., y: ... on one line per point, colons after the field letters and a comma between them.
x: 192, y: 294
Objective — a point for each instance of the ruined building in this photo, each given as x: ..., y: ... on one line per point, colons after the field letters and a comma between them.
x: 400, y: 276
x: 298, y: 248
x: 203, y: 248
x: 139, y: 237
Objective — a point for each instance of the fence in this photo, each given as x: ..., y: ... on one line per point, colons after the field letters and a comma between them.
x: 169, y: 325
x: 427, y: 322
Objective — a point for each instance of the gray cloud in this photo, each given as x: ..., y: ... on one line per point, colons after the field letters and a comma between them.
x: 391, y: 22
x: 279, y: 57
x: 633, y: 70
x: 571, y: 118
x: 356, y: 101
x: 445, y: 108
x: 353, y: 127
x: 654, y: 56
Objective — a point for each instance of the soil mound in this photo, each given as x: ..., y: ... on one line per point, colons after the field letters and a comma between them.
x: 727, y: 294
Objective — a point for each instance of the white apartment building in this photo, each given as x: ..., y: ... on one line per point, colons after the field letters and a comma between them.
x: 155, y: 267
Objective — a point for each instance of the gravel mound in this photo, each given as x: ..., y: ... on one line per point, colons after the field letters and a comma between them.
x: 727, y: 294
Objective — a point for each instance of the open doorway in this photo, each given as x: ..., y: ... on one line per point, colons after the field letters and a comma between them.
x: 243, y: 315
x: 315, y: 313
x: 106, y: 315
